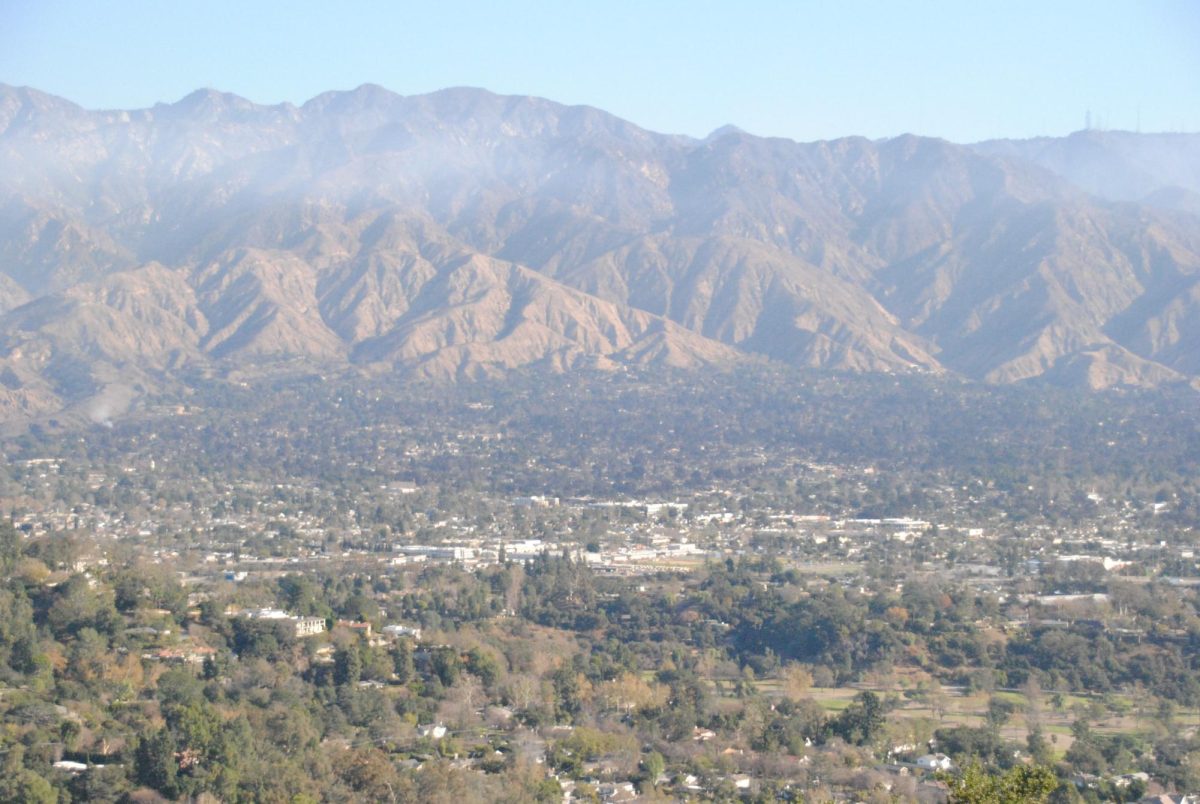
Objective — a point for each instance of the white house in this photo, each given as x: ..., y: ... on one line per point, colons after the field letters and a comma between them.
x: 397, y: 631
x: 73, y: 768
x: 935, y: 762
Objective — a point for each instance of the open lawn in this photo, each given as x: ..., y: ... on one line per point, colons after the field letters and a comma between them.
x: 956, y: 706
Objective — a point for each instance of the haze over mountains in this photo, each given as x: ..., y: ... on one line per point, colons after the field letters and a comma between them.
x: 463, y: 233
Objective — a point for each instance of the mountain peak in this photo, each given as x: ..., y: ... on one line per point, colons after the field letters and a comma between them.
x: 362, y: 97
x: 369, y: 92
x: 727, y: 130
x: 24, y: 103
x: 209, y: 104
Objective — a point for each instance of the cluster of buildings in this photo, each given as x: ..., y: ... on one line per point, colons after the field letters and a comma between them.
x: 300, y: 626
x: 252, y: 526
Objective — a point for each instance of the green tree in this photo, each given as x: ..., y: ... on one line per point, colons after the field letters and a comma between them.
x: 402, y: 660
x: 1022, y: 784
x: 77, y: 605
x: 18, y: 784
x: 862, y: 721
x: 484, y: 666
x: 347, y: 665
x: 100, y: 784
x: 999, y: 711
x: 566, y: 692
x: 1038, y: 748
x: 27, y: 787
x: 446, y: 665
x: 10, y: 547
x: 653, y: 766
x: 155, y: 765
x: 301, y: 595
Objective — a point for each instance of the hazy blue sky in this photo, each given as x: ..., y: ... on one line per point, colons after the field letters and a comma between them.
x: 961, y: 70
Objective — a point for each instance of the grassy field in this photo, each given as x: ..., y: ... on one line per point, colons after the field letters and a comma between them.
x: 954, y: 706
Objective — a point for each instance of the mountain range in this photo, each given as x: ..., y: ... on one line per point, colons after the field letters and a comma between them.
x: 462, y: 234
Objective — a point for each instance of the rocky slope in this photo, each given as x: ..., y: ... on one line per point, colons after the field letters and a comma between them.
x: 463, y: 233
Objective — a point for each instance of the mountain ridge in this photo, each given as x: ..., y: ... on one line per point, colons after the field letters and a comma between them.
x: 464, y: 233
